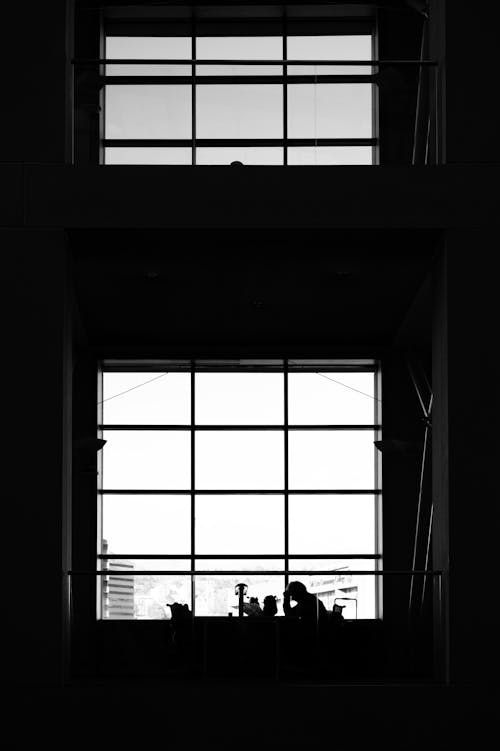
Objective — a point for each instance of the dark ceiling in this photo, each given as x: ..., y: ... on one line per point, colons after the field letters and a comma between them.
x: 250, y: 290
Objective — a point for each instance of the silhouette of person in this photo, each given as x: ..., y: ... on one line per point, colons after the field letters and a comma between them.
x: 270, y: 608
x: 252, y: 608
x: 308, y: 605
x: 181, y: 627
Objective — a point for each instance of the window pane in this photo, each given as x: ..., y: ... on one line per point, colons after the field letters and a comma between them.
x: 245, y: 154
x: 239, y: 111
x: 324, y: 155
x: 146, y: 524
x: 148, y: 111
x: 146, y: 398
x: 239, y: 460
x: 352, y: 47
x: 239, y: 564
x: 331, y: 524
x: 146, y: 459
x: 215, y: 594
x: 331, y: 398
x: 239, y: 398
x: 148, y: 48
x: 147, y: 155
x: 346, y: 589
x: 239, y: 524
x: 127, y: 597
x: 154, y: 564
x: 321, y: 459
x: 239, y: 48
x: 330, y: 110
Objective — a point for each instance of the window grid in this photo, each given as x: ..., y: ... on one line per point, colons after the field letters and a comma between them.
x: 285, y: 79
x: 286, y: 491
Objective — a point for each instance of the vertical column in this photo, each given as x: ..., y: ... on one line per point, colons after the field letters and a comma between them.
x: 467, y: 517
x: 466, y: 43
x: 37, y: 419
x: 193, y: 485
x: 285, y: 434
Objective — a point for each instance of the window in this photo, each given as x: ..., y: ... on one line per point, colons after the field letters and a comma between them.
x: 215, y: 473
x: 196, y: 103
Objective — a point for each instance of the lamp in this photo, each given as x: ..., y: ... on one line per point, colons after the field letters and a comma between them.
x: 240, y: 591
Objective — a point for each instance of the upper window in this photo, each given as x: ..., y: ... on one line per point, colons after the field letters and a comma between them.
x: 213, y: 98
x: 258, y: 469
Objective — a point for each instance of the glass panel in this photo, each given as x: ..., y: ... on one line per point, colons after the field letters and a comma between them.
x: 240, y: 564
x: 239, y: 398
x: 148, y: 111
x: 215, y: 594
x: 148, y: 48
x: 146, y: 459
x: 331, y: 524
x: 239, y: 111
x: 146, y: 398
x: 147, y: 155
x: 152, y: 564
x: 239, y: 524
x: 146, y: 524
x: 245, y: 154
x: 354, y: 593
x: 331, y: 398
x: 353, y: 47
x: 239, y: 48
x: 321, y: 459
x: 239, y: 460
x: 330, y: 110
x: 324, y: 155
x: 129, y: 597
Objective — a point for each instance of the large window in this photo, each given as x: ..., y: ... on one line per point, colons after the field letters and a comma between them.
x: 219, y: 472
x: 196, y: 103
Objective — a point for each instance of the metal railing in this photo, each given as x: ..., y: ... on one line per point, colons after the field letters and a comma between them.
x: 386, y: 76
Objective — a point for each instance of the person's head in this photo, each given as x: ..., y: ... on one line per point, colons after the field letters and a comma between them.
x: 297, y: 591
x: 270, y: 607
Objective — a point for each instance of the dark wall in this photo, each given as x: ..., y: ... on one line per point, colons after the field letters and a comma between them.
x: 459, y: 196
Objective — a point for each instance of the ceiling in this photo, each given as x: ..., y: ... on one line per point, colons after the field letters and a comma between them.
x: 259, y: 291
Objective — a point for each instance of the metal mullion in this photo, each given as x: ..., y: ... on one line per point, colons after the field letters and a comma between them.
x: 193, y: 481
x: 240, y: 556
x: 193, y: 94
x: 196, y: 79
x: 233, y: 491
x: 222, y: 142
x: 285, y: 94
x: 144, y: 427
x: 285, y: 436
x: 241, y: 427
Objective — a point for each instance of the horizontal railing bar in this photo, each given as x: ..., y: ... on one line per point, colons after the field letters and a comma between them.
x: 246, y: 572
x: 253, y: 556
x: 185, y: 491
x: 200, y: 80
x: 192, y: 61
x: 147, y: 426
x: 222, y: 142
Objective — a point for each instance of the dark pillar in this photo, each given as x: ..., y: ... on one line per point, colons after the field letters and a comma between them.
x: 37, y: 427
x: 467, y: 519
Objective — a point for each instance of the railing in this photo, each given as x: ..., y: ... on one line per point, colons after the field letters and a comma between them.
x: 400, y: 124
x: 381, y: 649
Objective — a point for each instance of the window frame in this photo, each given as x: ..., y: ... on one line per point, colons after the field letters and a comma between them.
x: 284, y: 366
x: 285, y: 28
